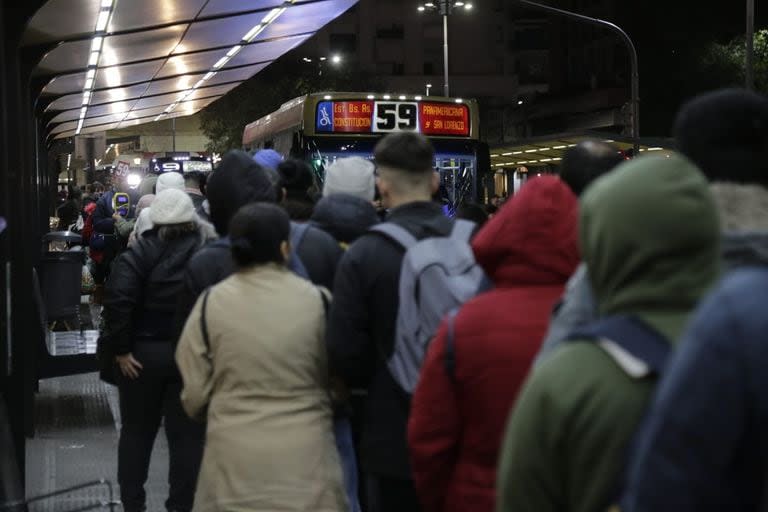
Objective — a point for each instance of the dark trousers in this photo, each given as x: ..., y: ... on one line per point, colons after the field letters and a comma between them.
x: 144, y: 402
x: 391, y: 495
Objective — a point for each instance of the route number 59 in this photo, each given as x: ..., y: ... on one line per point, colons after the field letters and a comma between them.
x: 395, y: 117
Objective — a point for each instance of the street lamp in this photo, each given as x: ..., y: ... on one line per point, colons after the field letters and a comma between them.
x: 428, y: 86
x: 445, y: 8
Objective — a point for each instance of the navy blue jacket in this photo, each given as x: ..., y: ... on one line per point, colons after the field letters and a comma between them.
x: 344, y: 217
x: 704, y: 445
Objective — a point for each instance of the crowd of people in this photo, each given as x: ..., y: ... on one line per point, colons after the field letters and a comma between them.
x: 307, y: 351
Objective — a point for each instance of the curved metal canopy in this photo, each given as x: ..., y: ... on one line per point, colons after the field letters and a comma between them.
x: 110, y: 64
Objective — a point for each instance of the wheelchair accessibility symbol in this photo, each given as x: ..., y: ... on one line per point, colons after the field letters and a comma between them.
x: 324, y: 119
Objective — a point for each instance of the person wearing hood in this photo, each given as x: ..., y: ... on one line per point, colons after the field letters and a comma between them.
x: 143, y: 222
x: 723, y: 133
x: 457, y: 420
x: 346, y: 210
x: 649, y: 234
x: 140, y: 297
x: 704, y: 444
x: 237, y: 181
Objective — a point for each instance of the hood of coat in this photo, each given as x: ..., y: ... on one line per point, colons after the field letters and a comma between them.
x: 237, y: 181
x: 650, y: 235
x: 743, y: 212
x: 533, y: 238
x: 345, y: 217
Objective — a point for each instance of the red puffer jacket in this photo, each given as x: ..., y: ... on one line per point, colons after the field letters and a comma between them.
x: 529, y: 249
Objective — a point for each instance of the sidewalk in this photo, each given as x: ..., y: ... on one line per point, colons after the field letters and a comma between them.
x: 76, y: 442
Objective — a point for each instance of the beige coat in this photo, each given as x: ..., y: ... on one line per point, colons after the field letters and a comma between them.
x: 264, y: 392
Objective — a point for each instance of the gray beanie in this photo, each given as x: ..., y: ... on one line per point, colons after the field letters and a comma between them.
x: 169, y: 180
x: 353, y: 176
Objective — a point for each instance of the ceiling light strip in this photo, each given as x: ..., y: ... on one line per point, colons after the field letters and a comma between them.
x: 97, y: 43
x: 270, y: 18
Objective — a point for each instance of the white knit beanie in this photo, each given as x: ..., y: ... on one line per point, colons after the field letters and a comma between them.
x: 353, y: 175
x: 172, y: 206
x: 170, y: 180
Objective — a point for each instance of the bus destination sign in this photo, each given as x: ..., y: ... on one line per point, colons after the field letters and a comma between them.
x: 363, y: 117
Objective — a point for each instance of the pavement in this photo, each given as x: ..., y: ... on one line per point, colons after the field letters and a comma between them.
x: 77, y: 425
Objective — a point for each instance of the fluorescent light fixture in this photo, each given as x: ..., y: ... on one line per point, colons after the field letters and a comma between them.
x: 94, y: 59
x: 102, y: 20
x: 571, y: 145
x: 90, y: 74
x: 326, y: 97
x: 520, y: 102
x: 559, y: 147
x: 420, y: 8
x: 468, y: 7
x: 371, y: 97
x: 323, y: 58
x: 459, y: 4
x: 158, y: 117
x: 199, y: 84
x: 106, y: 4
x: 137, y: 161
x: 556, y: 159
x: 221, y: 62
x: 209, y: 75
x: 531, y: 150
x: 545, y: 160
x: 429, y: 4
x: 253, y: 32
x: 506, y: 154
x: 96, y: 44
x: 655, y: 149
x: 517, y: 152
x: 523, y: 162
x: 417, y: 98
x: 83, y: 111
x: 272, y: 15
x: 89, y: 83
x: 609, y: 140
x: 307, y: 59
x: 86, y: 97
x: 494, y: 155
x: 545, y: 149
x: 387, y: 97
x: 233, y: 51
x: 79, y: 127
x: 401, y: 98
x: 458, y: 100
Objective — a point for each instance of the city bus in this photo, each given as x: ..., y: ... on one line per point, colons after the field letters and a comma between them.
x: 321, y: 127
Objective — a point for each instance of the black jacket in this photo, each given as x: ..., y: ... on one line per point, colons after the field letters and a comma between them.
x: 143, y: 290
x: 344, y: 217
x: 319, y: 252
x: 361, y: 333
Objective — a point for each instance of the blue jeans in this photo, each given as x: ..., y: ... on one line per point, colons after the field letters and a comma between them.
x: 342, y: 430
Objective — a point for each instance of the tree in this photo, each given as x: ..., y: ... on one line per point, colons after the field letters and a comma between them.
x: 723, y: 64
x: 224, y: 120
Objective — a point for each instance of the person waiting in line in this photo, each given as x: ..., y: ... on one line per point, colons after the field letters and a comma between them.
x: 257, y: 372
x: 346, y: 210
x: 582, y: 164
x: 649, y: 234
x: 236, y: 182
x: 138, y: 310
x: 194, y: 183
x: 457, y: 418
x: 361, y: 330
x: 298, y: 189
x: 163, y: 182
x: 472, y: 212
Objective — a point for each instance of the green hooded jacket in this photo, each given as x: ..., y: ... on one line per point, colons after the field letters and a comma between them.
x: 650, y: 236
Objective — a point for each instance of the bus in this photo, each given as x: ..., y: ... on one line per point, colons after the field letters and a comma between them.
x: 322, y: 127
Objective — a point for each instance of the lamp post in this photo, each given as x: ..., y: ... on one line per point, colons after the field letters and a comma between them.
x: 750, y: 57
x: 444, y: 8
x: 428, y: 87
x: 635, y: 93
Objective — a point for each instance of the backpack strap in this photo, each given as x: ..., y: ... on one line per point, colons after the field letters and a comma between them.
x: 463, y: 230
x: 298, y: 231
x: 204, y: 322
x: 450, y: 344
x: 396, y: 233
x: 638, y: 348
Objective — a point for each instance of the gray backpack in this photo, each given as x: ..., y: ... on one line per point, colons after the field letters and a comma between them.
x: 438, y: 275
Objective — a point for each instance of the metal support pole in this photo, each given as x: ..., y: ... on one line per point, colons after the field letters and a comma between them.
x: 750, y: 51
x: 445, y: 51
x: 173, y: 132
x: 635, y: 86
